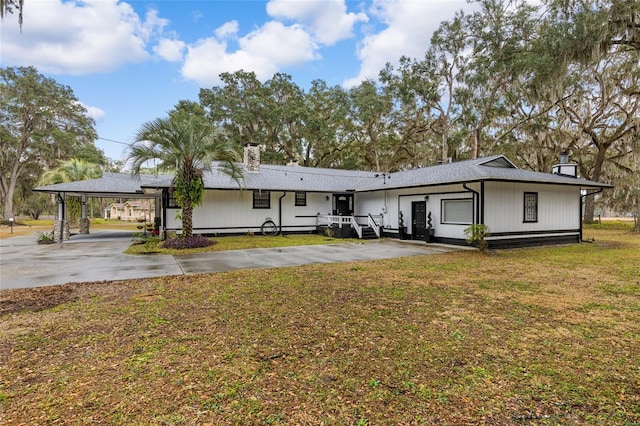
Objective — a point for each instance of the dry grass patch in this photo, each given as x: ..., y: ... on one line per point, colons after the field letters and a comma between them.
x: 533, y: 336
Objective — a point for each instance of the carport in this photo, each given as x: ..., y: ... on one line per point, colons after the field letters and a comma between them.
x: 110, y: 185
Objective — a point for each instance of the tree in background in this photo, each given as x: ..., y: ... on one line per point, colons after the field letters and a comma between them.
x: 187, y: 145
x: 8, y: 7
x: 589, y: 30
x: 286, y: 117
x: 238, y: 107
x: 327, y: 142
x: 72, y: 170
x: 369, y: 126
x: 41, y: 123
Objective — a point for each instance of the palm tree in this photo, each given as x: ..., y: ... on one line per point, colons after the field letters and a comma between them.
x: 187, y: 145
x: 72, y: 170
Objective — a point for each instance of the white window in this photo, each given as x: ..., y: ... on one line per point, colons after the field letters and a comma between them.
x: 457, y: 211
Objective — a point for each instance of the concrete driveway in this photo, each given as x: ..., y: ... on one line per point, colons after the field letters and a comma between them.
x: 99, y: 257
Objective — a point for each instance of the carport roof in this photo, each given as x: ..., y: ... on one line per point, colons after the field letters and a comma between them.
x: 110, y: 184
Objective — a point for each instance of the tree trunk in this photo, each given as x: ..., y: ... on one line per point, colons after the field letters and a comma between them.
x: 444, y: 139
x: 8, y: 200
x: 187, y: 220
x: 476, y: 143
x: 590, y: 203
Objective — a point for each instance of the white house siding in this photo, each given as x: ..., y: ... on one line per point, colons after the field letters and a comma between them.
x: 558, y: 210
x: 373, y: 203
x: 232, y: 212
x: 558, y: 207
x: 392, y: 201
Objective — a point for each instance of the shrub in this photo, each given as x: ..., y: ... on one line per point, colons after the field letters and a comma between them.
x: 45, y: 237
x: 477, y: 235
x: 195, y: 241
x: 328, y: 232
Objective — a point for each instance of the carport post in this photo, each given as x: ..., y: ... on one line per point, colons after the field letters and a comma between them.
x: 61, y: 216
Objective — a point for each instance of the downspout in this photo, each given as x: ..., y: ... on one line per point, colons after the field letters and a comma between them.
x: 476, y: 195
x: 280, y: 211
x: 582, y: 197
x: 163, y: 213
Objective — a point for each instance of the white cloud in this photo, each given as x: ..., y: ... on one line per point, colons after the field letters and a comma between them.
x: 227, y: 30
x: 327, y: 20
x: 274, y: 45
x: 408, y: 29
x: 94, y: 112
x: 170, y: 49
x: 280, y: 44
x: 208, y: 58
x: 263, y: 51
x: 78, y: 37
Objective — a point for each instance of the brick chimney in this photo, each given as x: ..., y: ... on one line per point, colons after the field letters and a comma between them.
x: 252, y: 157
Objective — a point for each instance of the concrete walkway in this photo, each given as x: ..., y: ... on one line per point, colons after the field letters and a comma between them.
x: 99, y: 257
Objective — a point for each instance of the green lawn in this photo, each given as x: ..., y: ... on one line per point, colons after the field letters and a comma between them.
x: 538, y: 336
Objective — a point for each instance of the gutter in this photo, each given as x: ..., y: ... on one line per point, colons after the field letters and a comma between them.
x: 582, y: 197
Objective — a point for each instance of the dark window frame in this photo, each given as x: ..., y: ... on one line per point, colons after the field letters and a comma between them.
x: 261, y: 199
x: 530, y: 203
x: 300, y: 199
x: 442, y: 210
x: 171, y: 199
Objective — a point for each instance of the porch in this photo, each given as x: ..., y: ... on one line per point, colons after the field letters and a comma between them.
x: 364, y: 227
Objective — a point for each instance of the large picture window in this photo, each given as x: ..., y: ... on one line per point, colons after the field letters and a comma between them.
x: 458, y: 212
x: 301, y: 199
x: 261, y: 199
x: 530, y: 207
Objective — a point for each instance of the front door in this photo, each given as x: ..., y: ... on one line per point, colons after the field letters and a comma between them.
x: 419, y: 220
x: 343, y: 204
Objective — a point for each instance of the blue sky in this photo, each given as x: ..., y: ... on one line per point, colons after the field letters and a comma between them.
x: 131, y: 61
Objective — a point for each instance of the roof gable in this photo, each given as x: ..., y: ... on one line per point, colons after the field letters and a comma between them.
x: 500, y: 162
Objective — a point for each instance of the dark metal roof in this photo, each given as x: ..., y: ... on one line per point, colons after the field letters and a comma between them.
x: 310, y: 179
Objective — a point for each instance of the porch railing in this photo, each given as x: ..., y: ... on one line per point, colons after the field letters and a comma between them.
x: 350, y: 221
x: 374, y: 225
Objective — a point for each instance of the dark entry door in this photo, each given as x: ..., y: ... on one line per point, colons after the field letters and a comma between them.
x: 419, y: 220
x: 343, y: 204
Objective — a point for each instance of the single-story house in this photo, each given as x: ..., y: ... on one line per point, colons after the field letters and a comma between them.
x: 435, y: 204
x: 132, y: 210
